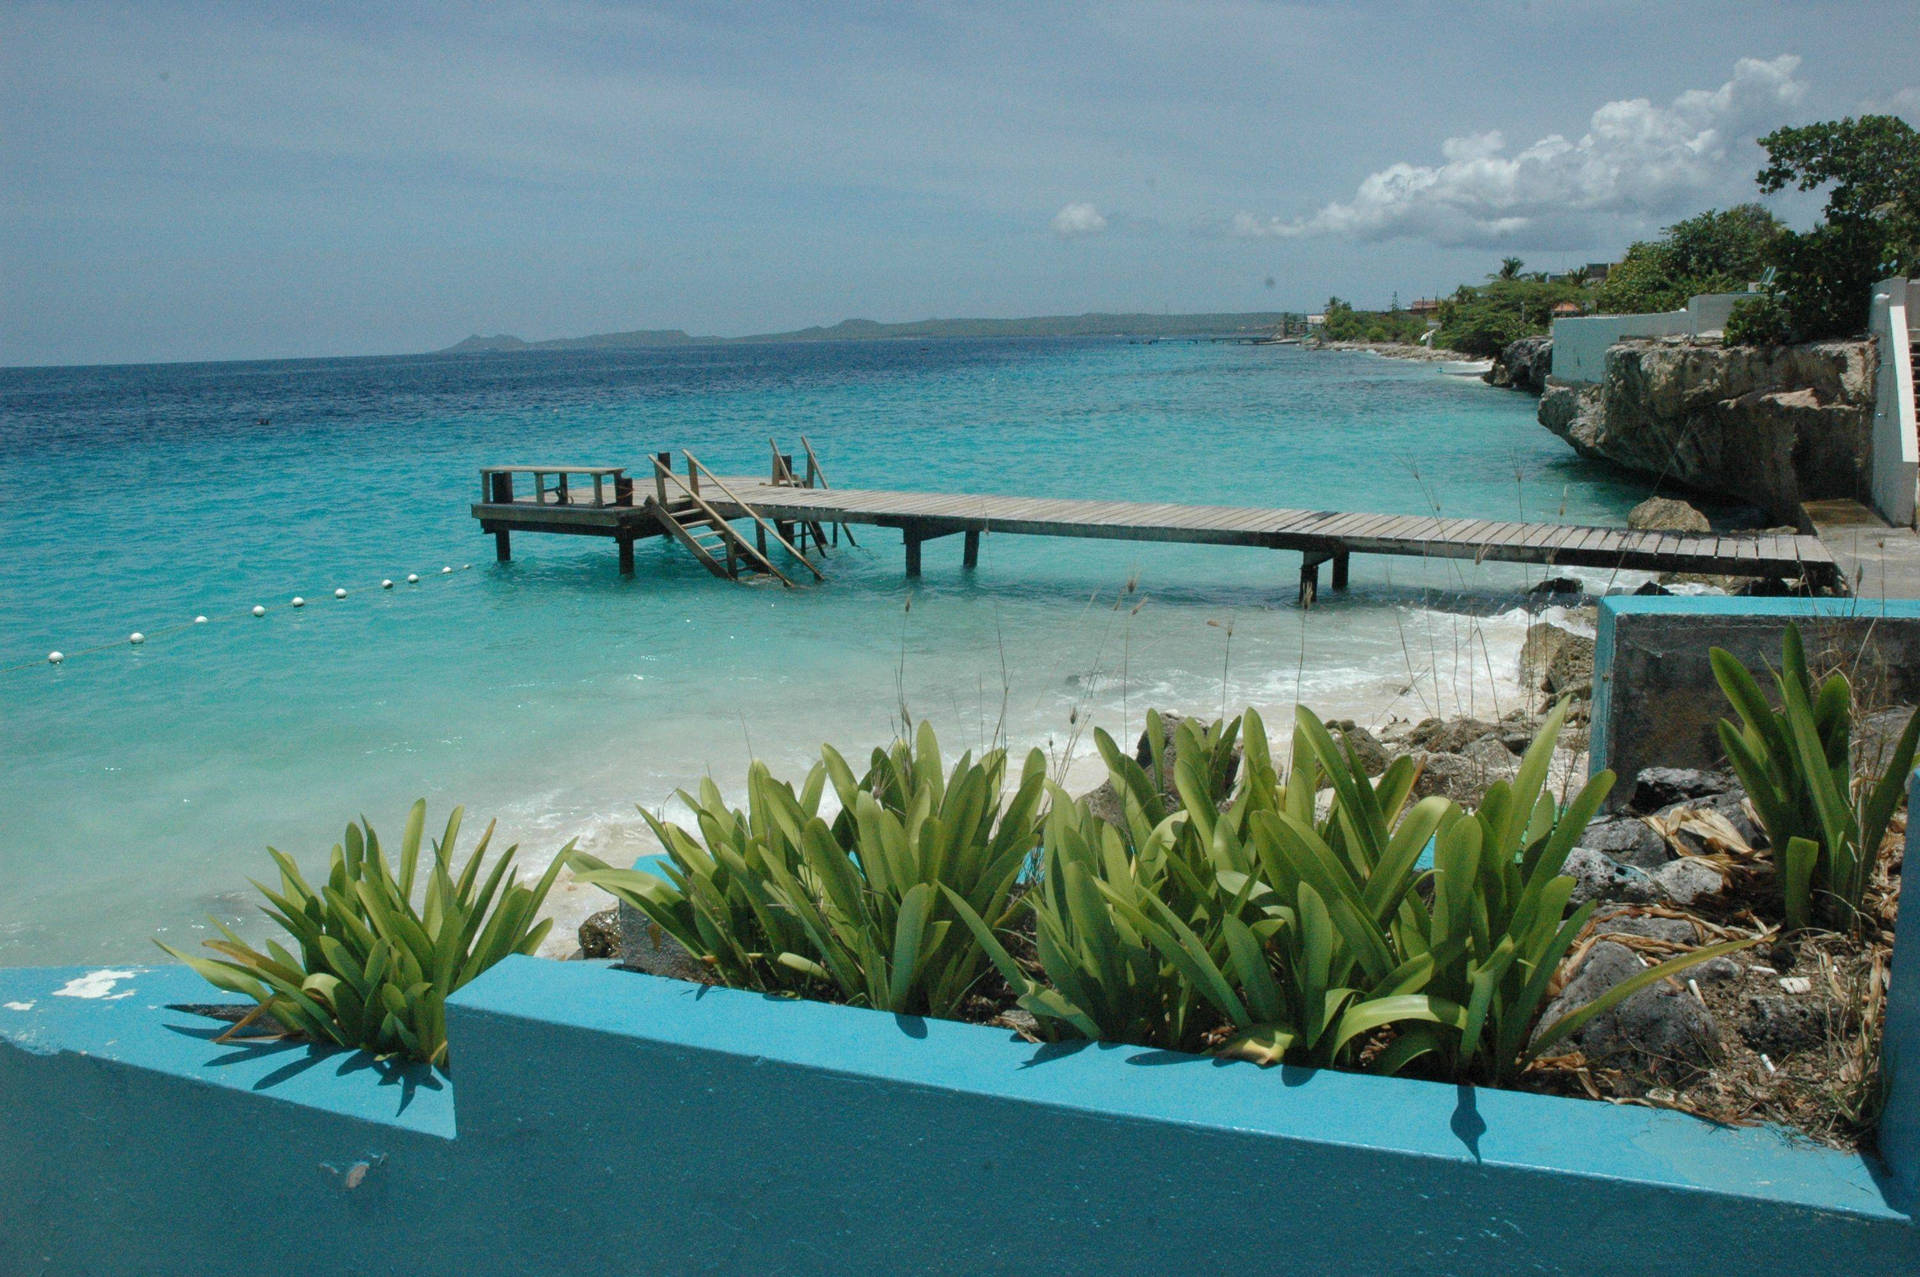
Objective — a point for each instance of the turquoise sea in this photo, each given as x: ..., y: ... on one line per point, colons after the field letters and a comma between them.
x: 141, y: 782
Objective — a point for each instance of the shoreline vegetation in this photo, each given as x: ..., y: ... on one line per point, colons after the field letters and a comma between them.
x: 1719, y: 947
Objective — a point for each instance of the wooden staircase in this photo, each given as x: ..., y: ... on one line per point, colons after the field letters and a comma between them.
x: 816, y: 477
x: 710, y: 536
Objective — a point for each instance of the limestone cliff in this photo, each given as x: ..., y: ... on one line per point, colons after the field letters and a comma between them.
x: 1523, y: 365
x: 1774, y: 426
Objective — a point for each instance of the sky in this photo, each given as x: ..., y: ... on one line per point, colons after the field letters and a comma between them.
x: 184, y: 181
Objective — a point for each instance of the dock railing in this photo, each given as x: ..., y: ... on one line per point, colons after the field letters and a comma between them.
x: 695, y: 468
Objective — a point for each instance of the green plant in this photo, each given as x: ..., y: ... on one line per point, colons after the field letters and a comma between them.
x: 1105, y: 979
x: 778, y: 898
x: 1796, y: 765
x: 1242, y: 906
x: 1761, y: 320
x: 373, y: 970
x: 1311, y: 938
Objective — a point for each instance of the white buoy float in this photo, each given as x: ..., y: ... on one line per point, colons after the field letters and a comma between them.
x: 54, y: 658
x: 413, y: 578
x: 386, y: 583
x: 444, y: 571
x: 258, y: 610
x: 136, y: 638
x: 298, y: 601
x: 199, y: 620
x: 339, y: 594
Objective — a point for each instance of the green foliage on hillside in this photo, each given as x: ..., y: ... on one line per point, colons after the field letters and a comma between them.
x: 1713, y: 252
x: 1485, y: 319
x: 1344, y: 323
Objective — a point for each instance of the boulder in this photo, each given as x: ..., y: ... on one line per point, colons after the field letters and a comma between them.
x: 1663, y: 514
x: 1780, y: 1025
x: 1557, y: 585
x: 1629, y: 840
x: 1557, y: 661
x: 1523, y: 365
x: 644, y: 947
x: 1597, y: 876
x: 1688, y: 879
x: 1169, y: 730
x: 1659, y: 1033
x: 600, y: 934
x: 1516, y: 730
x: 1449, y: 735
x: 1104, y: 801
x: 1732, y: 807
x: 1368, y: 748
x: 1465, y: 775
x: 1875, y: 735
x: 1657, y: 787
x: 1627, y: 922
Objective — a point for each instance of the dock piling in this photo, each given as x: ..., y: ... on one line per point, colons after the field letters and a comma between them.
x: 503, y: 546
x: 970, y: 554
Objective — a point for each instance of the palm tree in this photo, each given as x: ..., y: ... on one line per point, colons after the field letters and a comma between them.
x: 1510, y: 268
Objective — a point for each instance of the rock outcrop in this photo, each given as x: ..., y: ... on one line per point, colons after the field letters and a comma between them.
x: 1773, y: 426
x: 1523, y: 365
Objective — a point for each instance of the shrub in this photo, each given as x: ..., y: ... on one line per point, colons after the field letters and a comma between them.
x: 777, y: 898
x: 373, y: 970
x: 1760, y: 320
x: 1795, y: 762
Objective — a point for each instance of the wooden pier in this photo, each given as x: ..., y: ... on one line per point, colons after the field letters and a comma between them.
x: 732, y: 523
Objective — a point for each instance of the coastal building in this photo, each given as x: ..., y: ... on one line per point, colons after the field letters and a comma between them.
x: 1567, y: 310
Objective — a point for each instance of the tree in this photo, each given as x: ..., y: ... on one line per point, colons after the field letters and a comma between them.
x: 1509, y: 268
x: 1713, y: 252
x: 1871, y: 224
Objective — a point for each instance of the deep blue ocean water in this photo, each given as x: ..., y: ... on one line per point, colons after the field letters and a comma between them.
x: 141, y: 783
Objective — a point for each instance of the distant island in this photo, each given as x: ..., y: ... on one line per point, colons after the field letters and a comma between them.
x: 1093, y: 324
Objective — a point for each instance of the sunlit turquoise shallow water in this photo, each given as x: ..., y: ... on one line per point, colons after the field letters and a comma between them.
x: 141, y: 783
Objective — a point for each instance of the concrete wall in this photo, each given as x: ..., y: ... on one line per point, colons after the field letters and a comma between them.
x: 615, y: 1122
x: 1895, y: 325
x: 1655, y: 702
x: 1580, y: 345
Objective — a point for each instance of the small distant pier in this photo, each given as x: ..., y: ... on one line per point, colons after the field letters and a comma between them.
x: 783, y: 526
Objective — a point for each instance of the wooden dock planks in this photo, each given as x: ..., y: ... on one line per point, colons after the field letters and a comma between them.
x: 1313, y: 532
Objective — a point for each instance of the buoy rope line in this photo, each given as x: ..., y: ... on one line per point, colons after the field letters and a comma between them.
x: 257, y: 612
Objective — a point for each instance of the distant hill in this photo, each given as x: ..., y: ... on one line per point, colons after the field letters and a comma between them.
x: 1094, y: 324
x: 599, y: 341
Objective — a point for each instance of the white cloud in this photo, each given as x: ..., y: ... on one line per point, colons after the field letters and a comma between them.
x: 1636, y: 160
x: 1904, y: 103
x: 1078, y: 219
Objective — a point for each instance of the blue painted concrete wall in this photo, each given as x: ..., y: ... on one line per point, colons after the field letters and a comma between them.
x: 614, y: 1122
x: 609, y: 1121
x: 1654, y: 697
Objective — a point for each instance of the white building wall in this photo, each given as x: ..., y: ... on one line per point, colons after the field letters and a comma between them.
x: 1580, y: 345
x: 1895, y: 323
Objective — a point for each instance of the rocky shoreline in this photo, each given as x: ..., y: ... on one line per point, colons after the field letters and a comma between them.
x: 1392, y: 350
